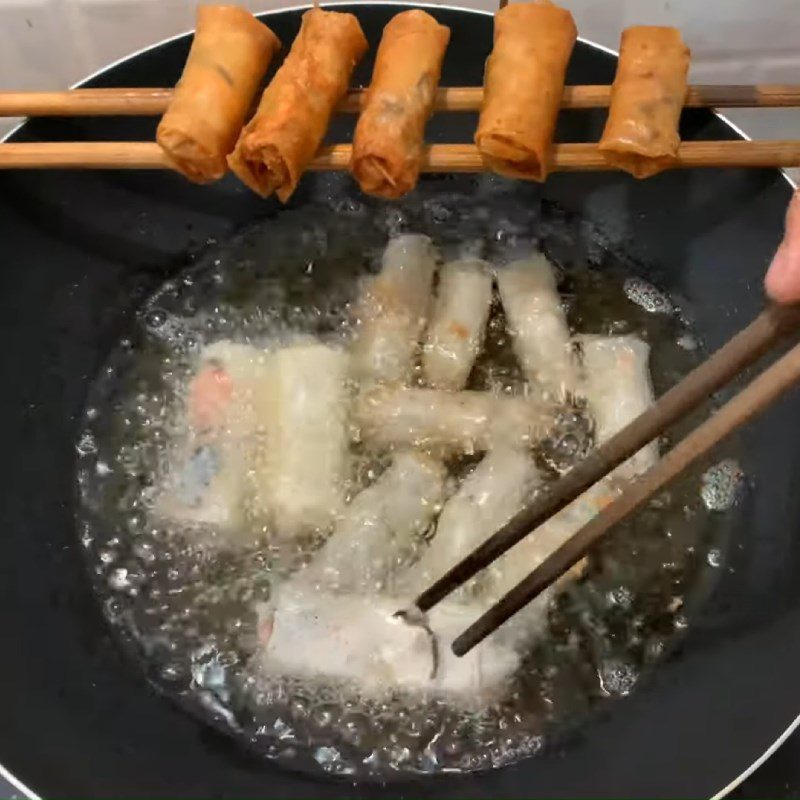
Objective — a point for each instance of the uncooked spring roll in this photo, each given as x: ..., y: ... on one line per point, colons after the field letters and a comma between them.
x: 300, y: 473
x: 360, y: 641
x: 284, y: 135
x: 229, y: 390
x: 618, y: 389
x: 641, y: 134
x: 538, y: 325
x: 388, y: 142
x: 523, y: 86
x: 228, y: 58
x: 465, y: 422
x: 377, y: 530
x: 206, y: 488
x: 458, y: 322
x: 207, y: 482
x: 505, y: 573
x: 392, y: 310
x: 488, y: 497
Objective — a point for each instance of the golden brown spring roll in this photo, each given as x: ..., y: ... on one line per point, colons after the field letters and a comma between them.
x: 290, y: 123
x: 523, y: 86
x: 388, y: 142
x: 229, y: 56
x: 641, y: 135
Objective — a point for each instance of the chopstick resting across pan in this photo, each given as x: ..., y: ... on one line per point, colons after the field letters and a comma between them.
x: 772, y: 326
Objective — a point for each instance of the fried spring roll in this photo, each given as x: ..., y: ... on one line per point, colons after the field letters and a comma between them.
x: 290, y: 123
x: 523, y: 86
x: 458, y: 322
x: 387, y: 146
x: 641, y: 135
x: 229, y: 56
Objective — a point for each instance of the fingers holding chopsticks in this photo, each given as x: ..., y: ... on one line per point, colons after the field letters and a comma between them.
x: 783, y: 277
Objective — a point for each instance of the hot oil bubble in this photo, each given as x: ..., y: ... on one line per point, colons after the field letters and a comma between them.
x: 722, y: 485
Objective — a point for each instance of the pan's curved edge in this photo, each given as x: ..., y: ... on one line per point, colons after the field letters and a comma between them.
x: 29, y: 793
x: 17, y: 784
x: 767, y: 754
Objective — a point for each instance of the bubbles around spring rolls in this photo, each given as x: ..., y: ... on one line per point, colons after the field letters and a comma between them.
x: 523, y: 87
x: 228, y: 58
x: 388, y: 142
x: 641, y: 134
x: 284, y: 135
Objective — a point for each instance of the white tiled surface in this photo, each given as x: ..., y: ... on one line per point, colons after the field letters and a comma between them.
x: 45, y: 44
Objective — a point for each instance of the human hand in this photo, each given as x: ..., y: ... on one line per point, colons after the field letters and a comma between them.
x: 783, y: 276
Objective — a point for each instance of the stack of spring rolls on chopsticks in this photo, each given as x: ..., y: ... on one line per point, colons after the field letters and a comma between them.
x: 203, y: 132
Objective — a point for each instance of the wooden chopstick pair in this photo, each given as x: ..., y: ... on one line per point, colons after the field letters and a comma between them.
x: 568, y: 157
x: 773, y: 325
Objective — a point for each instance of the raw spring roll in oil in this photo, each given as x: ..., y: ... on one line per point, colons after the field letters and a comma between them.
x: 641, y: 134
x: 523, y: 87
x: 282, y: 138
x: 388, y: 142
x: 228, y: 58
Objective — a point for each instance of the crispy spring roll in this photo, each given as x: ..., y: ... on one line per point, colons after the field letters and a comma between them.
x: 641, y: 135
x: 523, y: 86
x: 290, y: 123
x: 458, y: 321
x: 229, y: 56
x: 387, y: 146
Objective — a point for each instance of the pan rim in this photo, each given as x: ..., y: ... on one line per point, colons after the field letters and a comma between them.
x: 5, y: 773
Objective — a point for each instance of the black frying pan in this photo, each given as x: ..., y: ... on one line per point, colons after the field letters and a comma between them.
x: 79, y: 251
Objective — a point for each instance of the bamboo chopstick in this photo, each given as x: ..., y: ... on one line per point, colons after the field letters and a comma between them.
x: 759, y: 395
x: 438, y: 157
x: 746, y: 347
x: 153, y: 102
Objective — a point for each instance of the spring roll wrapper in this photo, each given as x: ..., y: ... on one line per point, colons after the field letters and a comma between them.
x: 523, y: 88
x: 300, y: 473
x: 647, y: 97
x: 618, y: 389
x: 359, y: 641
x: 488, y: 497
x: 505, y: 573
x: 278, y: 143
x: 458, y: 323
x: 230, y: 53
x: 388, y: 142
x: 241, y: 411
x: 377, y: 530
x: 392, y: 310
x: 454, y: 422
x: 205, y: 489
x: 538, y: 325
